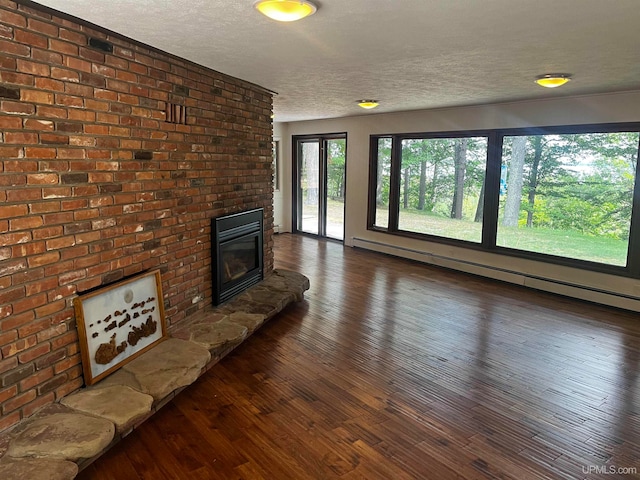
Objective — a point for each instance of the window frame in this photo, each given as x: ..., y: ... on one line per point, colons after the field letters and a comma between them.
x: 275, y: 162
x: 492, y: 194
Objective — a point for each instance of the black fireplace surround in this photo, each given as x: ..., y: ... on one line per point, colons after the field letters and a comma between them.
x: 236, y: 253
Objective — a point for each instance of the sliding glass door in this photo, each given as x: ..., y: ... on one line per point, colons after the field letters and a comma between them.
x: 320, y: 185
x: 309, y: 204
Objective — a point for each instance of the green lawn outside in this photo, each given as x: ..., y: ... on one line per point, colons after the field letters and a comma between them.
x: 562, y: 243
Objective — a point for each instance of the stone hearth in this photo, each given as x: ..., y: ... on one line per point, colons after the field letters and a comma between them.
x: 63, y: 438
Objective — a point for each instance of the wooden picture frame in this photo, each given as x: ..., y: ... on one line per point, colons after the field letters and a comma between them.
x: 118, y: 323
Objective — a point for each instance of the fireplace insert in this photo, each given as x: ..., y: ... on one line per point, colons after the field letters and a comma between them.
x: 236, y: 253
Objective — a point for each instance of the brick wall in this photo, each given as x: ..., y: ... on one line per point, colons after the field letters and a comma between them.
x: 96, y: 185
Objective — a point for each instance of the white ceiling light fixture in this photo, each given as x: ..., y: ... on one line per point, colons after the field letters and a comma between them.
x: 368, y: 104
x: 553, y: 80
x: 286, y: 10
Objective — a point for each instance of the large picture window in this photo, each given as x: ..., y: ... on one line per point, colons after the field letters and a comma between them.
x: 382, y: 183
x: 568, y: 195
x: 441, y: 186
x: 562, y: 193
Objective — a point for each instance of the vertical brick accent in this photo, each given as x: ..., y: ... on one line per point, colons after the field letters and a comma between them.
x: 97, y: 185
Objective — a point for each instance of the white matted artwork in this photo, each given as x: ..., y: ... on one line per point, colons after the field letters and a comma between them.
x: 118, y: 323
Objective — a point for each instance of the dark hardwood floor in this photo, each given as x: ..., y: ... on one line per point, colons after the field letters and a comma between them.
x: 395, y: 370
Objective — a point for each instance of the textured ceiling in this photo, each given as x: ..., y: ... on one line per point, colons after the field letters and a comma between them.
x: 408, y: 54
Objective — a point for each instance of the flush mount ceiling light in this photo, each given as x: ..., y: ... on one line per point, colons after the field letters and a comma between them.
x: 553, y: 80
x: 368, y: 104
x: 286, y: 10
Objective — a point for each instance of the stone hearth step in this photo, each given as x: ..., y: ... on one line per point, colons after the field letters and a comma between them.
x: 215, y: 335
x: 62, y: 437
x: 168, y: 366
x: 36, y: 469
x: 129, y: 405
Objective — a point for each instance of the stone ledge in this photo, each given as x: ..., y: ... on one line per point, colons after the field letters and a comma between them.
x: 65, y: 437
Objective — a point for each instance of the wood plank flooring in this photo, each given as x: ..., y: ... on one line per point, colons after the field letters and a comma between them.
x: 395, y: 370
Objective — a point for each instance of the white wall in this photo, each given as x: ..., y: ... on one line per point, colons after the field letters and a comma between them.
x: 606, y: 108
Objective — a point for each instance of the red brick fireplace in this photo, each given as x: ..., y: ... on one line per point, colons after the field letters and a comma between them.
x: 114, y: 157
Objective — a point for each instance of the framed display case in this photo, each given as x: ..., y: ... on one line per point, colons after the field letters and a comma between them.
x: 118, y: 323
